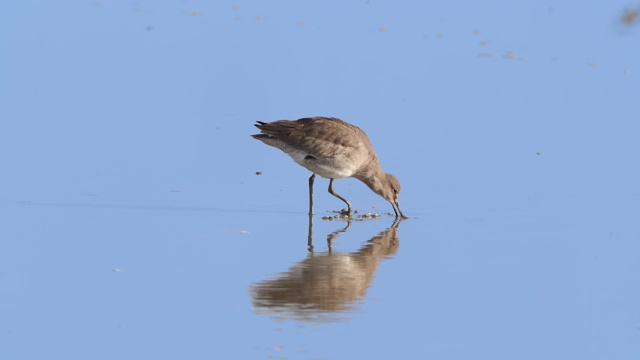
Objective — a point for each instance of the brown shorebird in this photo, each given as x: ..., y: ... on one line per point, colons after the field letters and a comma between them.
x: 333, y: 149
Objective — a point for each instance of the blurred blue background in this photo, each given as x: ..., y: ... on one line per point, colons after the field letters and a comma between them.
x: 135, y: 226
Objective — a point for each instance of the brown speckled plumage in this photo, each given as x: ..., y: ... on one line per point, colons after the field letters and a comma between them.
x: 333, y: 149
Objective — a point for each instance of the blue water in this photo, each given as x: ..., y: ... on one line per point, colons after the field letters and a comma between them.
x: 135, y: 225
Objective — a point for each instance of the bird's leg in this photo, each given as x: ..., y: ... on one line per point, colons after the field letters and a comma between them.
x: 311, y: 179
x: 339, y: 197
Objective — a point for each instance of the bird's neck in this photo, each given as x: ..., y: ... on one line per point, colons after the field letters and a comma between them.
x: 371, y: 174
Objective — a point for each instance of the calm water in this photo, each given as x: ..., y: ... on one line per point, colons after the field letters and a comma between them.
x: 135, y: 225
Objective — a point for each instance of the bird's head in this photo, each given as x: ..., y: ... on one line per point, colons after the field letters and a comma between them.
x: 389, y: 188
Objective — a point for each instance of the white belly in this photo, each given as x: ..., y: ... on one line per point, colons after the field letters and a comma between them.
x: 327, y: 168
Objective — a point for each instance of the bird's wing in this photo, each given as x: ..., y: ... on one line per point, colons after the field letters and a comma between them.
x: 316, y: 136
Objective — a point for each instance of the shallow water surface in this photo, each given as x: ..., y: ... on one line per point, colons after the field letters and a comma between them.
x: 141, y: 220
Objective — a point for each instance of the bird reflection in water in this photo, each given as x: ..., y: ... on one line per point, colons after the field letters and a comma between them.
x: 325, y: 285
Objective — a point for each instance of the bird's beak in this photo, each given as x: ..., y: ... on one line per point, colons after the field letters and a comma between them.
x: 396, y: 209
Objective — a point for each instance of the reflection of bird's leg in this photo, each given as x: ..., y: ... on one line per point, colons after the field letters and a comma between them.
x: 310, y: 235
x: 334, y: 234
